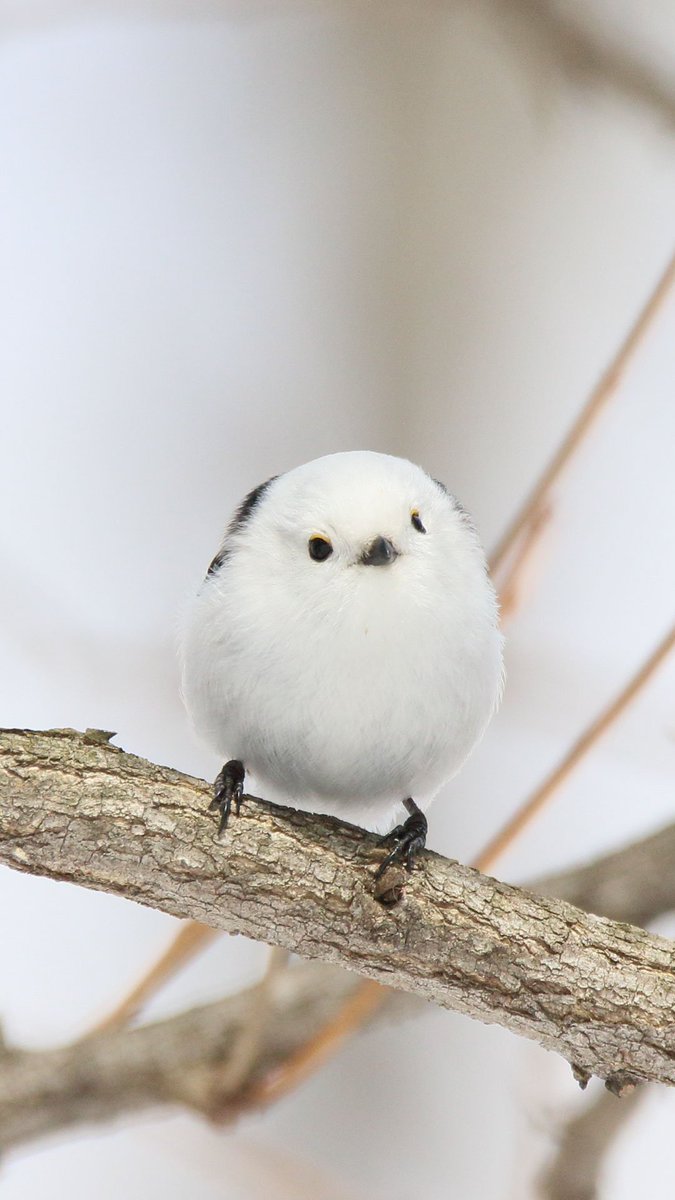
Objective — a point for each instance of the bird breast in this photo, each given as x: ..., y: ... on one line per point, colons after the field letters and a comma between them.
x: 344, y: 700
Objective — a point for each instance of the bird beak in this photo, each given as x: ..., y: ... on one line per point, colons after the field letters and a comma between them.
x: 380, y: 552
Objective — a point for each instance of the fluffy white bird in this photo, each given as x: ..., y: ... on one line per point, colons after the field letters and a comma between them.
x: 344, y: 647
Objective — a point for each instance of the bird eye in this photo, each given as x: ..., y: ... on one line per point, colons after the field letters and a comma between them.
x: 417, y: 521
x: 319, y: 548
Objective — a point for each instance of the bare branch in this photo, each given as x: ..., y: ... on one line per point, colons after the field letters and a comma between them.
x: 181, y: 1061
x: 591, y: 56
x: 192, y: 937
x: 364, y: 1001
x: 511, y: 586
x: 235, y: 1073
x: 599, y: 993
x: 175, y: 1062
x: 574, y: 1173
x: 635, y: 884
x: 603, y: 391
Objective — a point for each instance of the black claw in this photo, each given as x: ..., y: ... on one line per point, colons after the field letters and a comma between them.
x: 393, y: 836
x: 228, y: 789
x: 410, y: 838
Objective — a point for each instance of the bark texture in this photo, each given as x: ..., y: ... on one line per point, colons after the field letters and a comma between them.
x: 600, y: 993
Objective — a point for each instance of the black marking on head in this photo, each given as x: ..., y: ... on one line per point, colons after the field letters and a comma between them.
x: 217, y: 562
x: 241, y: 516
x: 248, y: 504
x: 457, y: 505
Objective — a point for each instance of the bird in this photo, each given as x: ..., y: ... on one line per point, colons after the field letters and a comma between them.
x: 344, y: 650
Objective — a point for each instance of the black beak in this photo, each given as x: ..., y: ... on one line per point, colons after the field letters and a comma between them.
x: 379, y: 553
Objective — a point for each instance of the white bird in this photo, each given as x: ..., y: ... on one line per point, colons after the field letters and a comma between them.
x: 344, y: 648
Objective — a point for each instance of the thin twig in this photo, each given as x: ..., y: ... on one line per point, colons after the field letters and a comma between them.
x: 511, y: 586
x: 540, y: 797
x: 356, y: 1010
x: 191, y: 938
x: 601, y: 394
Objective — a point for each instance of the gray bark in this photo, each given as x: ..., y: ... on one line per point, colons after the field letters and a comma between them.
x: 598, y: 992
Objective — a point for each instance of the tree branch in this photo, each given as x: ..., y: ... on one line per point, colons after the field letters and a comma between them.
x: 599, y: 993
x: 590, y: 56
x: 574, y: 1173
x: 635, y: 884
x: 604, y: 390
x: 179, y: 1061
x: 534, y: 803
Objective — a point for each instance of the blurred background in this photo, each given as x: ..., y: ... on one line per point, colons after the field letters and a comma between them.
x: 233, y: 237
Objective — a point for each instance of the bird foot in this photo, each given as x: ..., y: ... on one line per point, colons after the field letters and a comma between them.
x: 409, y: 839
x: 228, y: 789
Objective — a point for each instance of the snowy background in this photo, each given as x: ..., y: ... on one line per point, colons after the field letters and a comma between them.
x: 234, y: 237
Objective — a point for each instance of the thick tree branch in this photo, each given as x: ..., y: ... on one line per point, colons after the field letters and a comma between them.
x: 599, y: 993
x: 179, y: 1061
